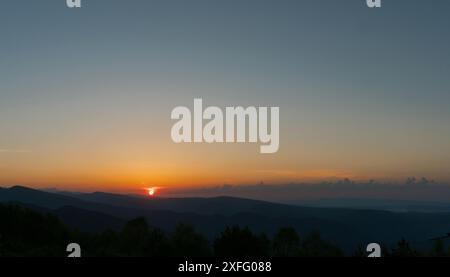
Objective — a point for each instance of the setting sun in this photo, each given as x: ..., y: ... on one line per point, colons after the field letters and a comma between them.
x: 151, y: 191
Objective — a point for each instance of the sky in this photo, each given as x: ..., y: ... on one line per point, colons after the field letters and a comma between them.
x: 86, y: 94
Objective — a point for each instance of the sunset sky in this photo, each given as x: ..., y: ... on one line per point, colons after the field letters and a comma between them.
x: 86, y: 94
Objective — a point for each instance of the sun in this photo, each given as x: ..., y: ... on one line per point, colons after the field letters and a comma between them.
x: 151, y: 191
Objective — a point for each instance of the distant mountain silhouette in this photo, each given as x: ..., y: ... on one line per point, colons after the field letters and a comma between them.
x: 347, y: 227
x: 394, y: 205
x: 36, y: 197
x: 88, y: 220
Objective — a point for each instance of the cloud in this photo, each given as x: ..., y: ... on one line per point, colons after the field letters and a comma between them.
x: 341, y: 189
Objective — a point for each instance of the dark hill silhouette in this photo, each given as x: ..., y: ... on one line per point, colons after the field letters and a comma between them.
x: 79, y: 219
x: 347, y: 227
x: 24, y: 232
x: 222, y: 205
x: 36, y: 197
x: 89, y: 221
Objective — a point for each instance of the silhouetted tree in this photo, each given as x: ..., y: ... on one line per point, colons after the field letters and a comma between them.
x: 286, y: 243
x: 360, y: 251
x: 134, y: 237
x: 238, y: 242
x: 403, y: 250
x: 438, y: 249
x: 103, y: 244
x: 315, y: 246
x: 137, y: 239
x: 27, y: 233
x: 24, y: 232
x: 186, y: 242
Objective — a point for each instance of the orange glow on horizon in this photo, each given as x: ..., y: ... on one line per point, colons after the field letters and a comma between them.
x: 151, y: 191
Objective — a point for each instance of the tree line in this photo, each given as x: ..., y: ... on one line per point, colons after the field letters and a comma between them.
x: 24, y: 232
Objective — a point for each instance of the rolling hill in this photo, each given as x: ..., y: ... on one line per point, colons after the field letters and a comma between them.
x: 346, y: 227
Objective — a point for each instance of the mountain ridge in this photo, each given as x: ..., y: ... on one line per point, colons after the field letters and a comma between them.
x: 347, y: 227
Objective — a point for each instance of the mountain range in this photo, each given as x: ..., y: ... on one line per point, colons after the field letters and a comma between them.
x: 349, y: 228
